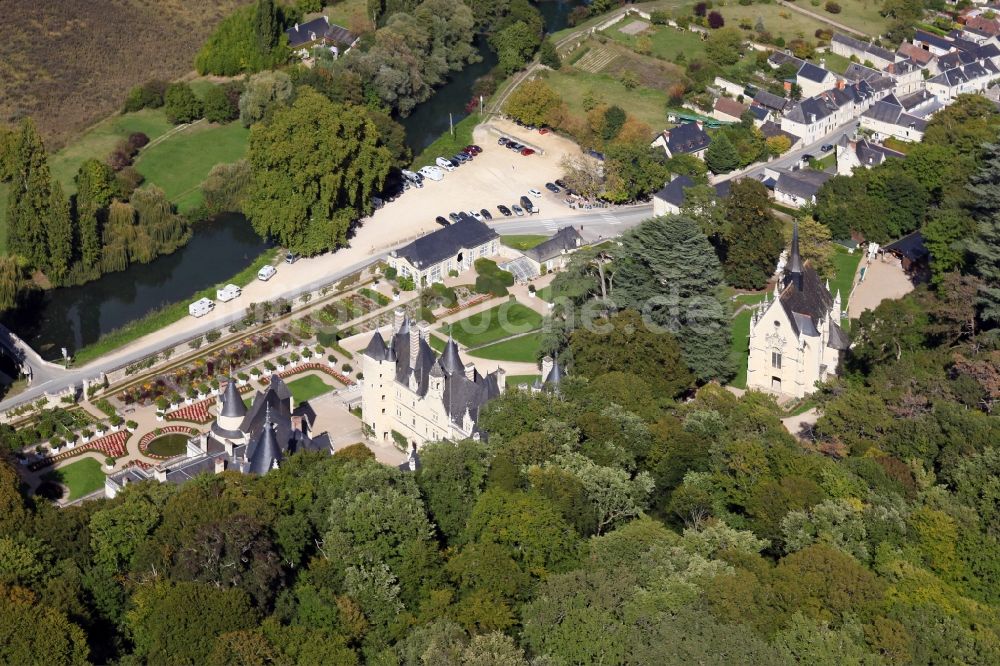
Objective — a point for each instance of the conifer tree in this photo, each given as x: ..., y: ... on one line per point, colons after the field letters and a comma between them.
x: 266, y: 25
x: 669, y: 271
x: 59, y: 233
x: 753, y: 241
x: 94, y: 190
x: 30, y: 197
x: 984, y: 248
x: 722, y: 156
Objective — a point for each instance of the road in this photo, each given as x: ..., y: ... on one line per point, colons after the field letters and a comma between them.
x: 602, y: 223
x: 792, y: 157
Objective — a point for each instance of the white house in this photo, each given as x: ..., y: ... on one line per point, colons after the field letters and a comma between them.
x: 813, y: 79
x: 846, y: 46
x: 797, y: 188
x: 972, y: 78
x: 887, y: 118
x: 456, y: 247
x: 815, y: 117
x: 553, y: 254
x: 795, y: 338
x: 685, y: 139
x: 861, y: 153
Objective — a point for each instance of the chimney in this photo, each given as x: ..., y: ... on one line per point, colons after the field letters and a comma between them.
x: 546, y: 367
x: 502, y: 379
x: 788, y: 86
x: 424, y: 329
x: 840, y: 84
x: 470, y: 371
x: 296, y: 26
x: 397, y: 319
x: 228, y: 445
x: 220, y: 465
x: 414, y: 345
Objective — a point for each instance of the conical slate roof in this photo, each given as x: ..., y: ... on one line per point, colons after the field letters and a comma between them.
x: 232, y: 403
x: 266, y: 450
x: 376, y: 347
x: 794, y: 268
x: 450, y: 360
x: 555, y: 374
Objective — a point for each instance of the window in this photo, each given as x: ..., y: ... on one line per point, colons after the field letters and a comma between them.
x: 776, y: 360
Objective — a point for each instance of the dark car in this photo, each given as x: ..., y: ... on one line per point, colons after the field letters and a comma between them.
x: 561, y: 183
x: 551, y: 187
x: 461, y: 157
x: 514, y: 145
x: 473, y: 149
x: 503, y: 209
x: 440, y: 220
x: 502, y: 141
x: 377, y: 202
x: 291, y: 257
x: 826, y: 147
x: 807, y: 157
x: 486, y: 214
x: 454, y: 217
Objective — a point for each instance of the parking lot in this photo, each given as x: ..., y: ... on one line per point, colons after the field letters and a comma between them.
x: 496, y: 176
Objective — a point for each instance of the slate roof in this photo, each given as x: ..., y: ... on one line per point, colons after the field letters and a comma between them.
x: 965, y: 73
x: 567, y: 238
x: 809, y: 305
x: 264, y: 450
x: 759, y: 112
x: 771, y: 128
x: 893, y: 114
x: 824, y: 104
x: 466, y: 234
x: 813, y: 72
x: 771, y: 101
x: 873, y: 154
x: 867, y: 47
x: 673, y: 193
x: 320, y: 29
x: 931, y: 39
x: 232, y: 402
x: 910, y: 246
x: 955, y: 59
x: 376, y: 348
x: 686, y: 138
x: 803, y: 184
x: 779, y: 58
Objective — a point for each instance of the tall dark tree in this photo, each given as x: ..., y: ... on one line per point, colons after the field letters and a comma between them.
x: 266, y: 25
x: 721, y: 156
x: 669, y: 271
x: 754, y: 240
x: 59, y: 233
x: 95, y: 188
x: 30, y: 197
x: 984, y: 248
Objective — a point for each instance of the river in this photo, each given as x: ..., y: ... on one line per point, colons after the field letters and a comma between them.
x: 74, y: 317
x: 77, y: 316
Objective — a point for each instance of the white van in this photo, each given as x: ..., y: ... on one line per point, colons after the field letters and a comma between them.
x: 228, y: 293
x: 201, y: 307
x: 432, y: 173
x: 444, y: 164
x: 266, y: 273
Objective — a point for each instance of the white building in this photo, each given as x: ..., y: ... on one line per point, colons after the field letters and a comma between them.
x: 685, y: 139
x: 553, y: 254
x: 795, y: 338
x: 846, y: 46
x: 972, y: 78
x: 861, y: 153
x: 815, y: 117
x: 888, y: 118
x: 797, y: 188
x: 456, y: 247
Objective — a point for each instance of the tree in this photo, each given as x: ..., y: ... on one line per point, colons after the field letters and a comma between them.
x: 34, y: 633
x: 754, y: 238
x: 548, y: 55
x: 262, y: 93
x: 633, y: 170
x: 614, y: 118
x: 721, y: 156
x: 59, y: 233
x: 534, y: 103
x: 218, y: 106
x: 514, y: 46
x: 778, y: 145
x: 984, y: 247
x: 307, y: 200
x: 669, y: 271
x: 180, y: 104
x: 451, y: 478
x: 715, y: 20
x: 631, y: 347
x: 226, y: 187
x: 10, y: 282
x: 30, y: 197
x: 815, y: 246
x: 583, y: 175
x: 267, y: 27
x: 246, y: 41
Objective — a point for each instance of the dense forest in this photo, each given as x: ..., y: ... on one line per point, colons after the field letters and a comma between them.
x: 638, y: 514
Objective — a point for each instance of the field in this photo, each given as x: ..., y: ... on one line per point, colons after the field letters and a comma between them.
x: 82, y: 477
x: 665, y: 42
x: 70, y: 63
x: 352, y: 14
x: 3, y: 218
x: 179, y: 164
x: 522, y: 349
x: 306, y: 388
x: 495, y: 324
x: 523, y: 241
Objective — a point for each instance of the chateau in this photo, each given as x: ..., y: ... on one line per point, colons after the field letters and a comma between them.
x: 249, y: 441
x: 795, y: 338
x: 410, y: 393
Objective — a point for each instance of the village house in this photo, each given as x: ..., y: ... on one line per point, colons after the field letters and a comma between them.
x: 861, y: 153
x: 887, y: 118
x: 432, y: 257
x: 685, y: 139
x: 320, y: 33
x: 553, y: 254
x: 795, y: 338
x: 847, y: 47
x: 248, y: 441
x: 972, y: 78
x: 728, y: 110
x: 797, y: 187
x: 815, y: 117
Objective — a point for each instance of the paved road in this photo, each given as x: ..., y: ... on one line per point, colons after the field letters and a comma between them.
x: 601, y: 223
x: 792, y: 157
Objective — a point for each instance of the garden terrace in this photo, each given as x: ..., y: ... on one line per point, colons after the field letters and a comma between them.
x: 81, y: 478
x: 112, y: 445
x: 177, y: 432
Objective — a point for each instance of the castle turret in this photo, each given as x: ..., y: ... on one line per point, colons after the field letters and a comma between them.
x: 793, y: 271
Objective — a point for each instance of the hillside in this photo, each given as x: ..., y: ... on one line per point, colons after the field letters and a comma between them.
x: 68, y: 64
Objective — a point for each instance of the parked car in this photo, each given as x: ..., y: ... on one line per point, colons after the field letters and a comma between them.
x: 291, y: 257
x: 461, y: 158
x: 486, y: 214
x: 561, y: 183
x: 529, y: 205
x: 432, y: 172
x: 473, y: 149
x: 454, y: 217
x: 517, y: 210
x: 476, y: 215
x: 543, y: 130
x: 514, y: 145
x: 501, y: 141
x: 444, y: 164
x: 527, y: 151
x: 412, y: 177
x: 826, y: 147
x: 807, y: 157
x: 440, y: 220
x: 266, y: 273
x: 552, y: 187
x: 504, y: 210
x: 535, y: 193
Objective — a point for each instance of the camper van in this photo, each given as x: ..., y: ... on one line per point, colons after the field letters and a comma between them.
x: 266, y: 273
x: 201, y: 307
x: 228, y: 293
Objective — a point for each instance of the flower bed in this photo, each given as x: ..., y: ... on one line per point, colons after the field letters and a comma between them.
x: 196, y: 413
x: 305, y: 367
x: 112, y: 445
x: 166, y: 430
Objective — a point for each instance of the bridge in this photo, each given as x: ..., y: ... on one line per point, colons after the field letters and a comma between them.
x: 28, y: 361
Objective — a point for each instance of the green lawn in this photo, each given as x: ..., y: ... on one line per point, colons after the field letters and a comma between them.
x: 846, y: 265
x: 545, y: 293
x: 100, y: 140
x: 82, y: 477
x: 447, y: 144
x: 828, y: 161
x: 740, y: 347
x: 522, y: 349
x: 517, y: 380
x: 342, y: 12
x: 837, y: 64
x: 646, y: 104
x: 178, y: 165
x: 169, y: 446
x: 503, y: 321
x: 523, y: 241
x: 436, y: 343
x: 306, y: 388
x: 665, y: 42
